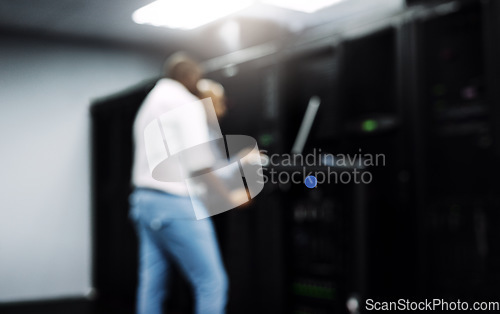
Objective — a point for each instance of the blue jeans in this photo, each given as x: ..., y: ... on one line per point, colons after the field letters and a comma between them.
x: 168, y: 233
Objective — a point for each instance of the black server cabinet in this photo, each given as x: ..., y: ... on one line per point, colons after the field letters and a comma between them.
x: 252, y: 237
x: 374, y: 123
x: 324, y: 244
x: 325, y: 226
x: 457, y: 139
x: 114, y: 239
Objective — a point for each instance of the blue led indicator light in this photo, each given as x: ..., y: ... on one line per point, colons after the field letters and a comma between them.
x: 311, y: 182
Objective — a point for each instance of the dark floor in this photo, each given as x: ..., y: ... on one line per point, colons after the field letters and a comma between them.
x: 74, y: 306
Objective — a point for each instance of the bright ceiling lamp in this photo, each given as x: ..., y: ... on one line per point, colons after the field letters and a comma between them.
x: 187, y: 14
x: 308, y: 6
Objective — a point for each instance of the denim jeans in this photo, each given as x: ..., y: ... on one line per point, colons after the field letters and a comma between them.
x: 168, y: 233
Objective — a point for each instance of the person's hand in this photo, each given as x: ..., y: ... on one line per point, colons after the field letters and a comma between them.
x: 238, y: 197
x: 260, y: 159
x: 242, y: 153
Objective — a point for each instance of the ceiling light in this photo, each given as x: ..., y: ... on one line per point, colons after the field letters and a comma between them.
x: 308, y: 6
x: 187, y: 14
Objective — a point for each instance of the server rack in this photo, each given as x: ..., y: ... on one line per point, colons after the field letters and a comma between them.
x: 375, y: 123
x: 115, y: 258
x: 252, y: 237
x: 457, y: 139
x: 113, y: 240
x: 325, y: 234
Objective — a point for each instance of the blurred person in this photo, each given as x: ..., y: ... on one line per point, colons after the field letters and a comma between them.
x: 163, y: 212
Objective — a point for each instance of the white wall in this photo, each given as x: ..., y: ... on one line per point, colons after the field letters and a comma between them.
x: 45, y: 91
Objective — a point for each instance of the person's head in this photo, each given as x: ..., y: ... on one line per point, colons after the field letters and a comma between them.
x: 214, y: 90
x: 185, y: 70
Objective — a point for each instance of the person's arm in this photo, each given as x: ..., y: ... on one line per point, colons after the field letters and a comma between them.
x: 194, y: 128
x: 235, y: 197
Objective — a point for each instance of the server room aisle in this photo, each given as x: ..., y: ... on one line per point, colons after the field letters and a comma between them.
x: 378, y: 123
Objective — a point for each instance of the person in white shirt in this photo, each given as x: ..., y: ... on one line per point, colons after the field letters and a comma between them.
x: 162, y: 212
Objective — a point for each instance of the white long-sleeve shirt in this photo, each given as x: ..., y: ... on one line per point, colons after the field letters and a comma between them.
x: 181, y: 128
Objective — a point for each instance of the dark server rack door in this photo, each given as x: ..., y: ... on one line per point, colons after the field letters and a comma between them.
x: 114, y: 240
x: 325, y: 244
x: 458, y: 120
x: 374, y: 126
x: 324, y: 231
x: 251, y: 238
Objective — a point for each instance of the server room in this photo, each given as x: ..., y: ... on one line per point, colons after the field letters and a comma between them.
x: 249, y: 156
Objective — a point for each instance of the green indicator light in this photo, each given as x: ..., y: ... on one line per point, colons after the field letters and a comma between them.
x: 266, y: 139
x: 369, y: 125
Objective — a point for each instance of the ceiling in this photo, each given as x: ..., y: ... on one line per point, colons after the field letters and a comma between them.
x: 110, y: 20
